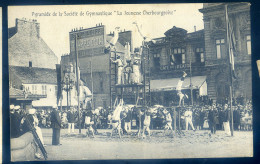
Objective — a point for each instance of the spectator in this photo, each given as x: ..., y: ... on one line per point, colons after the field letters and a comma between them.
x: 71, y: 120
x: 56, y: 126
x: 15, y: 119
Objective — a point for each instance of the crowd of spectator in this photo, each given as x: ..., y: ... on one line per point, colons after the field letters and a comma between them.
x: 203, y: 117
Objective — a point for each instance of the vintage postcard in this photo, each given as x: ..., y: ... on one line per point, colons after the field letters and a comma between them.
x: 130, y: 81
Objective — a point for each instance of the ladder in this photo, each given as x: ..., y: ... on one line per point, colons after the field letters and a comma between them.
x: 112, y: 78
x: 146, y: 76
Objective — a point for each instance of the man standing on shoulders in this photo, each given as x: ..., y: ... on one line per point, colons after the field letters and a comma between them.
x: 56, y: 126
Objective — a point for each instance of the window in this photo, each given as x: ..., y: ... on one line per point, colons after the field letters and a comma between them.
x: 178, y: 56
x: 34, y: 89
x: 220, y: 46
x: 248, y: 44
x: 183, y: 58
x: 56, y: 90
x: 30, y: 63
x: 101, y: 86
x: 199, y: 55
x: 156, y: 58
x: 44, y: 89
x: 172, y: 60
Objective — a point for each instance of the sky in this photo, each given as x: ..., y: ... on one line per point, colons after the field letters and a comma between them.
x: 55, y: 29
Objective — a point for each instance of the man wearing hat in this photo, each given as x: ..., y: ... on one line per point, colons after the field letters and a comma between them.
x: 56, y: 126
x: 34, y: 120
x: 15, y: 121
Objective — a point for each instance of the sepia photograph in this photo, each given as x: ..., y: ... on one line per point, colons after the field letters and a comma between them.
x: 130, y: 81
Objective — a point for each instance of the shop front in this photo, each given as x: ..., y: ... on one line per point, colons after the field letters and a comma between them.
x: 163, y: 91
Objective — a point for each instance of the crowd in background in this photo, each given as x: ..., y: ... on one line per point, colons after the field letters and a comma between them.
x: 203, y: 117
x: 242, y: 117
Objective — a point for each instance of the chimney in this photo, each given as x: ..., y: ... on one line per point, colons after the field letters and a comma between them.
x: 28, y: 28
x: 194, y: 28
x: 30, y: 64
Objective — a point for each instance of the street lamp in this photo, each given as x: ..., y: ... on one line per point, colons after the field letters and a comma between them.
x: 67, y: 83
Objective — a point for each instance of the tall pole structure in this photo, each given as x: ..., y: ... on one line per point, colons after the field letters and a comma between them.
x: 143, y: 58
x: 67, y: 90
x: 77, y: 76
x: 92, y: 84
x: 230, y: 70
x: 191, y: 89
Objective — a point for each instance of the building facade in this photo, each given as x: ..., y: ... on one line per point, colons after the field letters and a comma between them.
x: 93, y: 61
x: 35, y: 81
x: 216, y: 49
x: 178, y: 51
x: 27, y: 48
x: 204, y: 56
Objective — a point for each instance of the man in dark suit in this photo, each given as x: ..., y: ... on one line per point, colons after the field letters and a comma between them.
x: 71, y: 120
x: 56, y: 126
x: 15, y: 121
x: 213, y: 119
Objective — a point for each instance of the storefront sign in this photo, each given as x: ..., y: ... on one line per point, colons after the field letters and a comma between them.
x: 90, y: 41
x: 172, y: 67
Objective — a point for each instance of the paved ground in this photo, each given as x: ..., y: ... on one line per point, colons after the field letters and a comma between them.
x: 190, y: 145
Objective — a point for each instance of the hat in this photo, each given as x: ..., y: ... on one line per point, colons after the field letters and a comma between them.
x: 12, y: 106
x: 97, y: 111
x: 16, y: 107
x: 32, y: 111
x: 54, y: 106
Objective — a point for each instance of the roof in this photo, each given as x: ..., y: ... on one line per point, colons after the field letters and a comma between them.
x: 170, y: 84
x: 15, y: 92
x: 176, y: 31
x: 34, y: 75
x: 196, y: 35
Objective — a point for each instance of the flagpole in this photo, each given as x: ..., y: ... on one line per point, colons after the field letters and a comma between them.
x: 92, y: 83
x: 230, y: 70
x: 191, y: 89
x: 77, y: 76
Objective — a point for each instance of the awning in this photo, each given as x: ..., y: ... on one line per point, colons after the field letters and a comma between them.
x: 170, y: 84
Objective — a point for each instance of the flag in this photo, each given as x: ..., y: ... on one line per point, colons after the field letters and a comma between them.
x: 231, y: 44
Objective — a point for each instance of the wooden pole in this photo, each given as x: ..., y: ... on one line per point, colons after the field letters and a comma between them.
x: 77, y: 75
x: 230, y: 70
x: 191, y: 94
x: 174, y: 114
